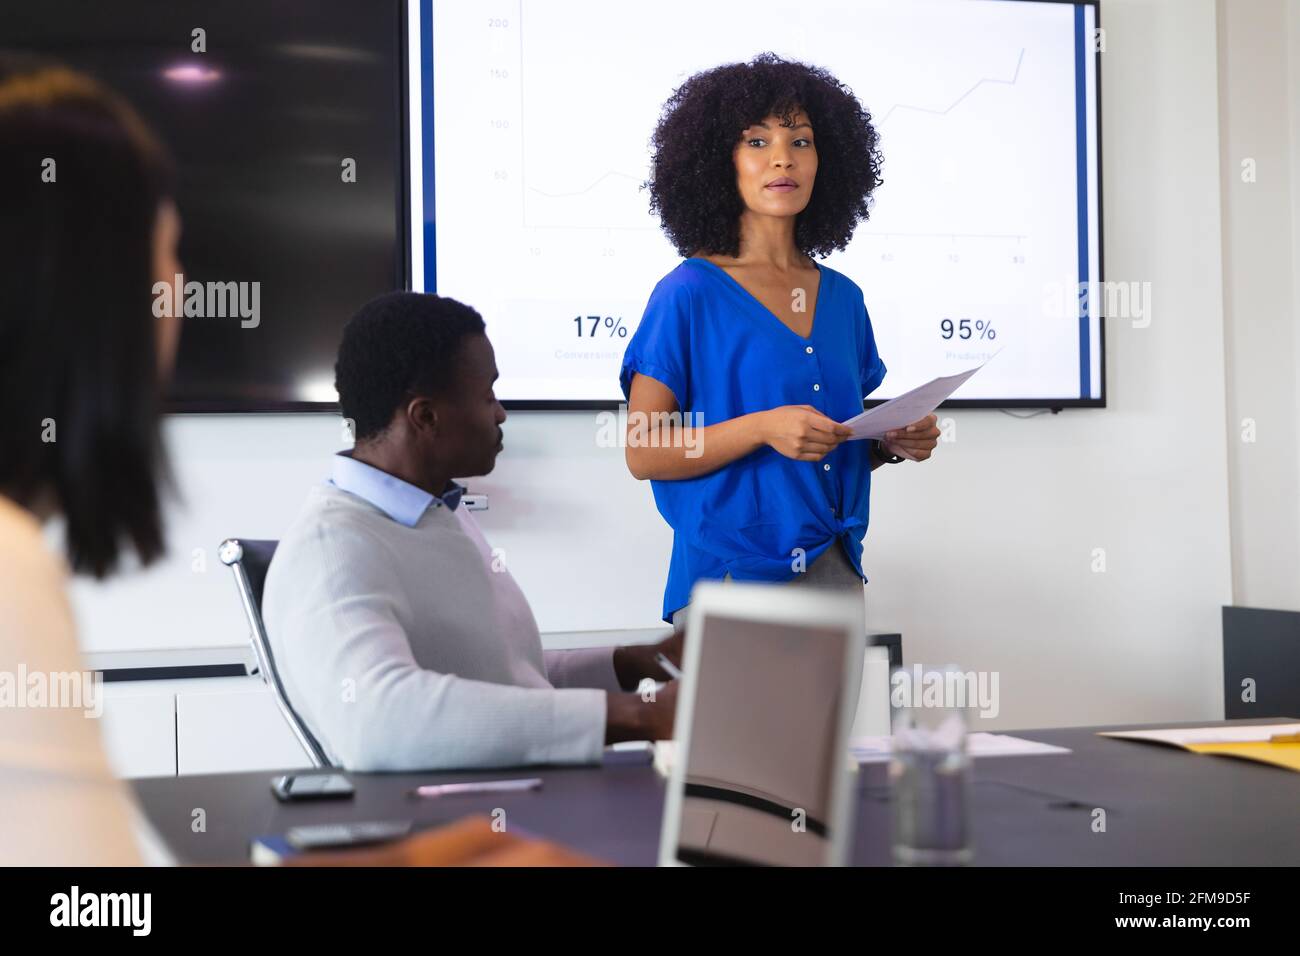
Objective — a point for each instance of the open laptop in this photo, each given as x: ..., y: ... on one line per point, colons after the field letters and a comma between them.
x: 761, y: 773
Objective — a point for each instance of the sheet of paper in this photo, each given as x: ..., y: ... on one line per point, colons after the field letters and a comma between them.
x: 665, y: 757
x: 1186, y: 737
x: 877, y: 749
x: 908, y: 407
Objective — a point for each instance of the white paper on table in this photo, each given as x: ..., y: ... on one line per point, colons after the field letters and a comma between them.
x: 877, y: 749
x: 910, y: 406
x: 1254, y: 733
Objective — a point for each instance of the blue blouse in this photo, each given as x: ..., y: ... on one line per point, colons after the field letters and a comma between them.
x: 723, y: 353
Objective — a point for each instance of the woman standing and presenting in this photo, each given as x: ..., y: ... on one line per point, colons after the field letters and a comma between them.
x: 757, y: 168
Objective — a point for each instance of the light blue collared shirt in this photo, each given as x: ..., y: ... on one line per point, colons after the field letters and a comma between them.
x: 400, y: 500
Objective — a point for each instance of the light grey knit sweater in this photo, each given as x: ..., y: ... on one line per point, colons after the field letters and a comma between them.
x: 404, y: 648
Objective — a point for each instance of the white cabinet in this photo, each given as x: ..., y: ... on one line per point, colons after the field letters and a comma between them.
x: 222, y: 731
x: 139, y: 730
x: 197, y: 725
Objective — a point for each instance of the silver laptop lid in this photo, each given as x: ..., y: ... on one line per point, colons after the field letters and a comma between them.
x: 770, y: 688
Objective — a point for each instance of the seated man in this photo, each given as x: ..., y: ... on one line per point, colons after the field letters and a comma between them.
x: 400, y: 642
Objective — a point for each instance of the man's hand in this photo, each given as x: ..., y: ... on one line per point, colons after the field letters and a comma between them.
x: 671, y: 648
x: 916, y: 442
x: 470, y: 841
x: 641, y: 715
x: 635, y: 662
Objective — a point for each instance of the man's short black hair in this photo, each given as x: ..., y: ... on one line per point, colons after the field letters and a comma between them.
x: 693, y: 174
x: 398, y: 346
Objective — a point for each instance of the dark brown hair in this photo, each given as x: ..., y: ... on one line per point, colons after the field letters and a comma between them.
x: 81, y: 183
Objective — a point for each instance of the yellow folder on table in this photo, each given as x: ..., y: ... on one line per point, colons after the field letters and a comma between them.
x: 1282, y: 754
x: 1276, y: 744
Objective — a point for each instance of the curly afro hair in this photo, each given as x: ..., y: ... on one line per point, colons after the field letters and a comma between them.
x: 693, y: 175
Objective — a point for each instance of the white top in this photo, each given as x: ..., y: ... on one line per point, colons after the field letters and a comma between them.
x: 59, y: 802
x: 404, y: 645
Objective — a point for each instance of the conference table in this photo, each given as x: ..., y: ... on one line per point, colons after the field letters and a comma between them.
x: 1163, y: 807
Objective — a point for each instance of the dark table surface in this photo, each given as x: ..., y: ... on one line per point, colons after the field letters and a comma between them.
x: 1164, y: 807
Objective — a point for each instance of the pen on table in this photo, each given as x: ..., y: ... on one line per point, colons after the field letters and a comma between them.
x: 669, y: 668
x: 482, y: 786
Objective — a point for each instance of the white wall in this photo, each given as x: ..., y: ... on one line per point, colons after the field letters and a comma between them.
x: 983, y: 556
x: 579, y: 533
x: 1259, y: 84
x: 1292, y: 81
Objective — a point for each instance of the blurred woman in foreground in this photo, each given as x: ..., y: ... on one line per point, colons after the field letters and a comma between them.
x: 89, y: 225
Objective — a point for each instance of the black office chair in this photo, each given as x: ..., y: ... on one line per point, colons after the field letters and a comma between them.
x: 249, y: 560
